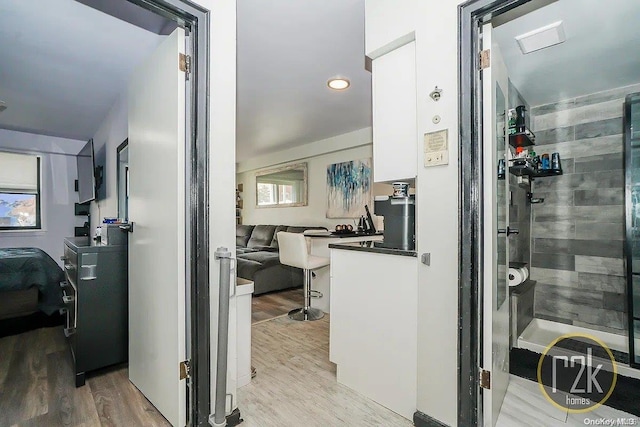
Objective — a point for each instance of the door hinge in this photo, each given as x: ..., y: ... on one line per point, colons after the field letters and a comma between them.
x: 485, y: 59
x: 185, y: 369
x: 485, y: 379
x: 185, y: 64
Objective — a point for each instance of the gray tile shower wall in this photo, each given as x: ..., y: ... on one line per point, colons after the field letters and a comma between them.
x: 577, y: 234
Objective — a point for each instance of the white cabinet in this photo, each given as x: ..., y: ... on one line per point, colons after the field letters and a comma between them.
x: 373, y: 328
x: 244, y: 291
x: 321, y: 281
x: 395, y: 115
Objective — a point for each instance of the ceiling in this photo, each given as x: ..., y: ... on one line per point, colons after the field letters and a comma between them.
x: 64, y: 65
x: 287, y: 50
x: 601, y: 50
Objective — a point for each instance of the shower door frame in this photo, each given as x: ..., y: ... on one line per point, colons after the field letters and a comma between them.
x: 471, y: 16
x: 628, y: 164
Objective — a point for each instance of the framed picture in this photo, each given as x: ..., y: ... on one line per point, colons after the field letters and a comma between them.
x: 348, y: 188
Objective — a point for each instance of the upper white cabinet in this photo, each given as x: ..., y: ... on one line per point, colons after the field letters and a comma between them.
x: 388, y: 23
x: 395, y: 114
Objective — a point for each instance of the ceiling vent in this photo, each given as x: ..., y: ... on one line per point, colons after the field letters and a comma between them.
x: 546, y: 36
x: 3, y: 106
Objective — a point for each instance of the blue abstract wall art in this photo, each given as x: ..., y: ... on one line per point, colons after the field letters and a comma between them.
x: 348, y: 188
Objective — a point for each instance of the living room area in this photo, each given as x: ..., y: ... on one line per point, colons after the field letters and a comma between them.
x: 261, y: 216
x: 287, y: 353
x: 304, y: 165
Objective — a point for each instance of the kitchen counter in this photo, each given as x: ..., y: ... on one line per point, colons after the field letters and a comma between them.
x: 374, y: 324
x: 330, y: 235
x: 319, y: 246
x: 368, y: 246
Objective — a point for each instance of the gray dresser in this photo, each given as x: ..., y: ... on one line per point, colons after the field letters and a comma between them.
x: 95, y: 294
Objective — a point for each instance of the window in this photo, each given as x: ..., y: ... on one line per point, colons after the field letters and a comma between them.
x: 277, y: 193
x: 284, y: 186
x: 19, y: 191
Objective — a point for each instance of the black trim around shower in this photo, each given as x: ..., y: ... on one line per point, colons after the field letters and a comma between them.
x: 631, y: 100
x: 471, y: 16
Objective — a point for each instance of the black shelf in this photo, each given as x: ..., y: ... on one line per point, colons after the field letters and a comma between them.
x: 522, y: 139
x: 528, y: 170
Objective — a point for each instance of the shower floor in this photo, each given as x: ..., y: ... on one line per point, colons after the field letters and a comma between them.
x: 540, y: 333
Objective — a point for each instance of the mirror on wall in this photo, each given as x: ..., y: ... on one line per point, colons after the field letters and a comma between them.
x: 123, y: 179
x: 285, y: 186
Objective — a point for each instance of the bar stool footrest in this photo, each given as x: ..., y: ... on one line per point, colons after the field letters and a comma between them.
x: 306, y: 314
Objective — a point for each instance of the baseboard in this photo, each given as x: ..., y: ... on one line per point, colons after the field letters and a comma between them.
x: 421, y: 419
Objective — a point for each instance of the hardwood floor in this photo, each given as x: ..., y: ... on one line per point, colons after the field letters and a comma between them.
x: 296, y: 383
x: 268, y: 306
x: 37, y: 387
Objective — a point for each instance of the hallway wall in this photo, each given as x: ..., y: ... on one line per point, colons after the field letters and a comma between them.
x: 578, y: 232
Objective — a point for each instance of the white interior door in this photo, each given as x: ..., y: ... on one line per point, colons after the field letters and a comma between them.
x: 157, y: 244
x: 495, y: 346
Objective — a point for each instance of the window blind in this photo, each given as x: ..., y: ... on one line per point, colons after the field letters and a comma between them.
x: 18, y: 173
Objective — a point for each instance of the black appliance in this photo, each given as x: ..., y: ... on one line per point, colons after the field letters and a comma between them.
x: 399, y: 221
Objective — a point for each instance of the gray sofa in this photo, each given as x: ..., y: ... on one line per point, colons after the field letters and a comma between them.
x: 259, y: 259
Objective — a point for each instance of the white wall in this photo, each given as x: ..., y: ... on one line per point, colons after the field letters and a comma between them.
x: 435, y: 23
x: 112, y: 132
x: 222, y: 166
x: 58, y: 173
x: 318, y: 155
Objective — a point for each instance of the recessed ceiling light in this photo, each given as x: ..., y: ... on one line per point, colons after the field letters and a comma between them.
x: 3, y: 106
x: 546, y: 36
x: 338, y: 83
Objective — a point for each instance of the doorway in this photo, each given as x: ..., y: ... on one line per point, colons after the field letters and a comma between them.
x: 566, y: 112
x: 194, y: 20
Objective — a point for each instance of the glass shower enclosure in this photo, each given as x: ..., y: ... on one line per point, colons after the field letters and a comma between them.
x: 632, y: 202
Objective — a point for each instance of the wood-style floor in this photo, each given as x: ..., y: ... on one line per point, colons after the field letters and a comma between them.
x: 37, y: 388
x: 296, y: 383
x: 268, y: 306
x: 525, y: 406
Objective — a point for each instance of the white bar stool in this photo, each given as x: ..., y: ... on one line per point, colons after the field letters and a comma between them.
x: 294, y: 252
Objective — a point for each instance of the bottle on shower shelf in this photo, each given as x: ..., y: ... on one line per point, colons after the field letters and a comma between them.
x: 545, y: 162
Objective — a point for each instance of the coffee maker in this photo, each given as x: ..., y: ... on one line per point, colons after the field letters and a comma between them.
x: 399, y: 214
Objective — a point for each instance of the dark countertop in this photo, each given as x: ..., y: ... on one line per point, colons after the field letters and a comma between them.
x: 368, y: 246
x: 330, y: 235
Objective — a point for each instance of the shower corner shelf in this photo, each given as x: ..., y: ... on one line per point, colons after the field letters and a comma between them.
x: 522, y: 139
x: 531, y: 172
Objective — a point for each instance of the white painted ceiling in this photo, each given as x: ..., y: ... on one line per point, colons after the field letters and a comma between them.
x: 602, y: 50
x: 287, y: 50
x: 63, y: 65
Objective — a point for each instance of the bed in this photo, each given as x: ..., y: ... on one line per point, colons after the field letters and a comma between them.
x: 29, y: 282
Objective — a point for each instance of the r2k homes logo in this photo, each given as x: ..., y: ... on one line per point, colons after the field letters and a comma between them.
x: 577, y: 372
